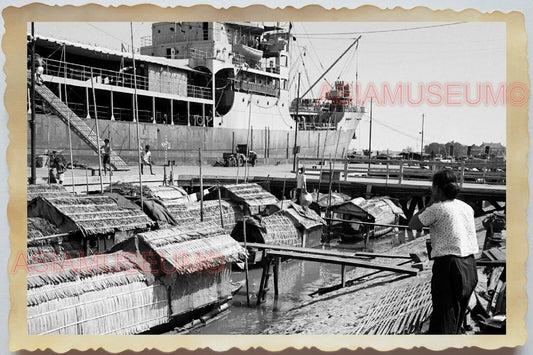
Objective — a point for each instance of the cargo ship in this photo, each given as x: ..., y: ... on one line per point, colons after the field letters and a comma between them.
x: 192, y: 85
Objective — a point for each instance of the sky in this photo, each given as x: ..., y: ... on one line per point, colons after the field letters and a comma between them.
x: 456, y: 56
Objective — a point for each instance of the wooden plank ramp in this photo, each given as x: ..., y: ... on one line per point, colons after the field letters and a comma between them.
x: 273, y: 254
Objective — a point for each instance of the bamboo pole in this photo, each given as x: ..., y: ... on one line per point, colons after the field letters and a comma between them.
x: 246, y: 170
x: 136, y: 118
x: 86, y: 180
x: 246, y: 262
x: 97, y: 134
x: 201, y: 185
x: 220, y: 207
x: 68, y: 118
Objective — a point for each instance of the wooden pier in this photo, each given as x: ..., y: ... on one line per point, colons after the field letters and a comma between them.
x: 272, y: 255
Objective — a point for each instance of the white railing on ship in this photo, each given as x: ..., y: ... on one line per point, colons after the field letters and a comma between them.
x: 60, y: 69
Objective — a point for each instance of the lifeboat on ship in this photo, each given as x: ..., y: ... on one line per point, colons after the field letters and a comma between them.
x: 248, y: 52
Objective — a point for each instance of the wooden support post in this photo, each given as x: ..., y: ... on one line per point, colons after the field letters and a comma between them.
x: 264, y: 278
x: 276, y: 276
x: 287, y: 154
x: 318, y: 146
x: 387, y: 176
x: 188, y: 113
x: 87, y: 180
x: 345, y: 168
x: 153, y: 110
x: 203, y: 115
x: 367, y: 236
x: 133, y: 108
x: 112, y: 105
x: 368, y: 191
x: 400, y: 176
x: 462, y: 173
x: 343, y: 275
x: 87, y: 101
x: 172, y: 112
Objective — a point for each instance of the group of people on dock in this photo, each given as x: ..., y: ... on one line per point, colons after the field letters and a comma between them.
x: 146, y: 157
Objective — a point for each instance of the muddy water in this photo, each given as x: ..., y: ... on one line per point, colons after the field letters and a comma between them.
x: 297, y: 280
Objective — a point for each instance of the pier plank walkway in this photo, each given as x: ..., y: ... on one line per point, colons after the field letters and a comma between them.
x: 272, y: 255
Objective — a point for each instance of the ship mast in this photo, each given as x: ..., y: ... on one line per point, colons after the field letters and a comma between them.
x: 332, y: 65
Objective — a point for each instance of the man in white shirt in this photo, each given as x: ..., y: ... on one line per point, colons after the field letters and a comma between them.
x: 453, y: 244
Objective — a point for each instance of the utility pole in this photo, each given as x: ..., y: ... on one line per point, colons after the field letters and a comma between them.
x: 294, y: 167
x: 370, y: 137
x: 422, y: 141
x: 32, y: 99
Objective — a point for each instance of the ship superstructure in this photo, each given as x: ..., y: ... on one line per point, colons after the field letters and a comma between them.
x: 208, y: 85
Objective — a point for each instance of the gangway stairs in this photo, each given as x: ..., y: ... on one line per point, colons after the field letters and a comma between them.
x: 77, y: 125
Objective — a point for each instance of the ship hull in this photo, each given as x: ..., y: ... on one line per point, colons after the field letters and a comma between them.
x: 182, y: 142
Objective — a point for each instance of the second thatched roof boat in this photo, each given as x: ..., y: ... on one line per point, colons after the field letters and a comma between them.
x: 46, y: 190
x: 194, y: 261
x: 189, y: 213
x: 95, y: 295
x: 98, y: 220
x: 379, y: 210
x: 275, y: 229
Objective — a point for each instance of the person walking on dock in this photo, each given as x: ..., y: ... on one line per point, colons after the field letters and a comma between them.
x: 146, y: 158
x: 301, y: 183
x: 106, y: 155
x: 453, y: 245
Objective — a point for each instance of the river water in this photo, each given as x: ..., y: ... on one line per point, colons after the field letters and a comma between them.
x: 297, y: 280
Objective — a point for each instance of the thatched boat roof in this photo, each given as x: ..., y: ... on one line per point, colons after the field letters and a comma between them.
x: 189, y: 213
x: 250, y: 194
x: 39, y: 227
x: 46, y: 190
x: 77, y: 270
x: 336, y: 198
x: 378, y: 210
x: 275, y: 229
x: 92, y: 214
x: 163, y: 193
x: 193, y: 248
x: 98, y: 294
x: 305, y: 218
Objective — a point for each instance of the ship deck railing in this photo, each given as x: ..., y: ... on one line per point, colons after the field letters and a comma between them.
x: 68, y: 70
x: 256, y: 88
x: 126, y: 114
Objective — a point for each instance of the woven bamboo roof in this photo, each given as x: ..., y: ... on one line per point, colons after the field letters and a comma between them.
x: 99, y: 294
x: 304, y: 217
x: 39, y: 227
x: 250, y: 194
x: 336, y: 199
x: 377, y: 208
x: 188, y: 213
x: 280, y: 229
x: 93, y: 214
x: 195, y: 247
x: 46, y: 190
x: 45, y: 279
x: 163, y: 193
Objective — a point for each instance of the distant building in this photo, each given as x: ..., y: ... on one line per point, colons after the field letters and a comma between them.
x: 494, y: 150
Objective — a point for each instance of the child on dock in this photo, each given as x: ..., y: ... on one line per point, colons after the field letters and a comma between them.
x: 146, y: 158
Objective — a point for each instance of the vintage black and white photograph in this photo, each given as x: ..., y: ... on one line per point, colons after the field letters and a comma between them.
x: 263, y: 178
